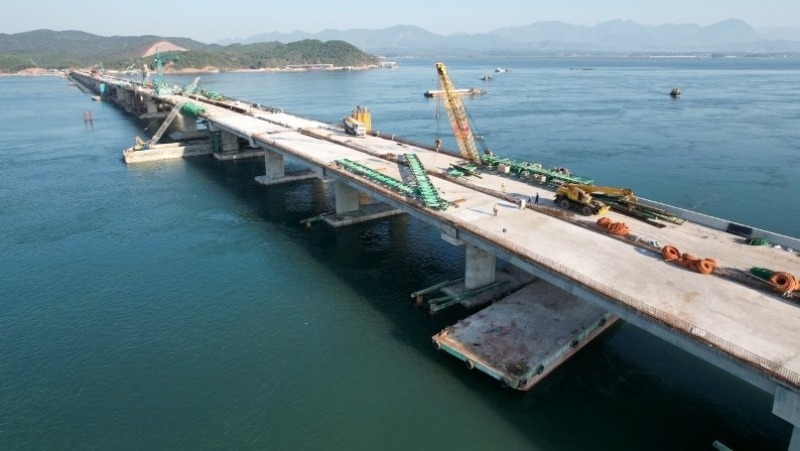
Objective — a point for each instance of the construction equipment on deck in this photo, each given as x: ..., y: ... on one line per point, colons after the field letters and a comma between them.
x: 176, y: 109
x: 573, y: 196
x: 354, y: 127
x: 359, y: 123
x: 621, y: 200
x: 458, y: 117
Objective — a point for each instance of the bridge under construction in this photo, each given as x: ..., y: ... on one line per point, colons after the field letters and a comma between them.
x: 572, y: 275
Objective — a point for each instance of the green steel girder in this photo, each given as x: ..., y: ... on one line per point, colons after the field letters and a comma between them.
x: 377, y: 177
x: 422, y: 189
x: 427, y: 191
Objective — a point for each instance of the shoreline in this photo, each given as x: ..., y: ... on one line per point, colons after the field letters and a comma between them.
x: 31, y: 72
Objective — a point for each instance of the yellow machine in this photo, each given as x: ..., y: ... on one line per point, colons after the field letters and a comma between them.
x: 620, y: 194
x: 362, y: 114
x: 579, y: 197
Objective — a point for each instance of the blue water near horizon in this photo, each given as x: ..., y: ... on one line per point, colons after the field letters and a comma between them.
x: 182, y: 306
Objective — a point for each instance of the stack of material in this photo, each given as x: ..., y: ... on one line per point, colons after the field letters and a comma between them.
x: 701, y: 265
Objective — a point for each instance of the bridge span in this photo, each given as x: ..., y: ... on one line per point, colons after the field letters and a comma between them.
x: 729, y: 318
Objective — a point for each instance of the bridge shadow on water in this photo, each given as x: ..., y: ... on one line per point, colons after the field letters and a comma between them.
x: 626, y: 390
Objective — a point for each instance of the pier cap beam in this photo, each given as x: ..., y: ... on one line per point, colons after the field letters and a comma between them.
x: 450, y: 235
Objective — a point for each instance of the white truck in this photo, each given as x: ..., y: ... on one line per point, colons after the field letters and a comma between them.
x: 354, y: 127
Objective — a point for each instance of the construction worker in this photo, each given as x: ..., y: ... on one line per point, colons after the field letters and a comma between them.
x: 503, y: 187
x: 495, y: 209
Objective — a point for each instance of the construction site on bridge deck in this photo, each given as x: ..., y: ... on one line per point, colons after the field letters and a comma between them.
x: 552, y: 260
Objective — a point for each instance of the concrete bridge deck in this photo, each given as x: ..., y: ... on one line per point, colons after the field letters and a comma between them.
x: 753, y: 333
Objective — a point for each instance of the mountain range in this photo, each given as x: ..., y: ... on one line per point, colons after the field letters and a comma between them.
x: 611, y: 37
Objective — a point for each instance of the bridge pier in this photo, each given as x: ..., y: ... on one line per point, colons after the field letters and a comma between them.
x: 186, y: 124
x: 150, y: 106
x: 480, y: 267
x: 273, y: 164
x: 346, y: 198
x: 122, y: 98
x: 787, y: 407
x: 275, y: 170
x: 230, y: 142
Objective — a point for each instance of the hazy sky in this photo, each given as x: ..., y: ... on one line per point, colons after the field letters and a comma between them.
x: 211, y: 21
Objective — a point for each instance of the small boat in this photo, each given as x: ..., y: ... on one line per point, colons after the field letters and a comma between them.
x: 486, y: 78
x: 97, y: 98
x: 675, y: 93
x: 463, y: 92
x: 501, y: 69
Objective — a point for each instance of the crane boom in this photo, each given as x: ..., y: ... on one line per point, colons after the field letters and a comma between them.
x: 458, y: 117
x: 172, y: 115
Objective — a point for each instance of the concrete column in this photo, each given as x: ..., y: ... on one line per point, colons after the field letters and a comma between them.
x: 127, y: 101
x: 230, y: 142
x: 787, y: 406
x: 152, y: 107
x: 186, y: 124
x: 346, y: 198
x: 480, y: 268
x: 273, y: 164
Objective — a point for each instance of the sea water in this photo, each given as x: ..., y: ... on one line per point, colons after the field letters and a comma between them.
x: 181, y: 305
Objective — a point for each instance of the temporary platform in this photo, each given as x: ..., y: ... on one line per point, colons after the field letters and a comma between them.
x: 167, y: 151
x: 522, y: 338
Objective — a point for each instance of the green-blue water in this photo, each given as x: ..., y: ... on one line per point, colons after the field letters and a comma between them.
x: 182, y: 306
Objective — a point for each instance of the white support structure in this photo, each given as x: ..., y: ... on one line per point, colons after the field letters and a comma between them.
x: 185, y: 124
x: 230, y: 142
x: 787, y: 407
x: 480, y: 267
x: 346, y: 198
x: 152, y: 106
x: 273, y: 164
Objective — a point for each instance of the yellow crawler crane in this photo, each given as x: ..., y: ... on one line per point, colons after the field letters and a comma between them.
x: 458, y: 117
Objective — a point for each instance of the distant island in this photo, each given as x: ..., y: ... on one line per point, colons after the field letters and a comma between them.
x: 47, y: 50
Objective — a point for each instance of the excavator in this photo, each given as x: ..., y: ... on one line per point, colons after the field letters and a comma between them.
x: 580, y: 197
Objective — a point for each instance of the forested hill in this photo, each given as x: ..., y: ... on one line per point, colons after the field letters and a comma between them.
x: 64, y: 49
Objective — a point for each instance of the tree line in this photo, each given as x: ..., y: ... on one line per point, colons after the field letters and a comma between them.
x: 49, y: 49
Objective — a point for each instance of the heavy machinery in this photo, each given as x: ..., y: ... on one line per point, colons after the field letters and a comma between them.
x: 458, y: 117
x: 579, y: 197
x: 621, y: 200
x: 358, y: 123
x: 176, y: 109
x: 618, y: 194
x: 354, y: 127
